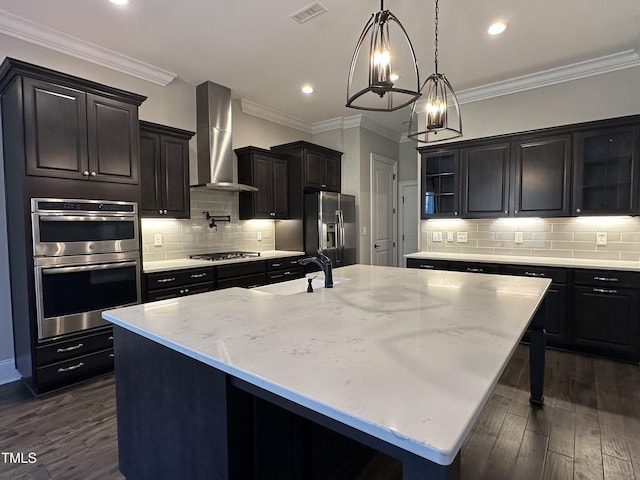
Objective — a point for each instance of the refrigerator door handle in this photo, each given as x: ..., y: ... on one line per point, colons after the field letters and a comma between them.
x: 342, y: 235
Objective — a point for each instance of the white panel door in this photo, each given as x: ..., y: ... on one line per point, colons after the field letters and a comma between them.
x: 383, y: 211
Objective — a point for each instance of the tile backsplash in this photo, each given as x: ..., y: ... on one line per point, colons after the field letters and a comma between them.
x: 541, y: 237
x: 181, y: 238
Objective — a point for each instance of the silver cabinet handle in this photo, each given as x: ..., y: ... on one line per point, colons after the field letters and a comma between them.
x: 72, y: 367
x: 606, y: 279
x: 427, y: 267
x: 276, y: 265
x: 605, y: 290
x: 288, y: 273
x: 475, y: 270
x: 70, y: 349
x: 111, y: 355
x: 111, y: 338
x: 534, y: 274
x: 166, y: 280
x: 198, y: 275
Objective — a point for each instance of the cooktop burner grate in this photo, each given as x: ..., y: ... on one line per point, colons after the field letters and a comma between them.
x: 224, y: 255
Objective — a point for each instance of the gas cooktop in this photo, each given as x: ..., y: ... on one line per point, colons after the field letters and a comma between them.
x: 224, y: 255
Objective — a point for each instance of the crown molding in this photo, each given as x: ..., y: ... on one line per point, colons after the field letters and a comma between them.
x: 553, y: 76
x: 266, y: 113
x: 23, y: 29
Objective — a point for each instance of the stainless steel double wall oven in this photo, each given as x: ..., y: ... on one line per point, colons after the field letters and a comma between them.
x: 86, y: 256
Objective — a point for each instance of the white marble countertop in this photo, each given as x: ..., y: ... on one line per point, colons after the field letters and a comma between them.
x: 181, y: 263
x: 410, y: 356
x: 522, y: 260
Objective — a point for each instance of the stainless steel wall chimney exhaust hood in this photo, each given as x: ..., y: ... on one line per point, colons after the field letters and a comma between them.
x: 215, y: 153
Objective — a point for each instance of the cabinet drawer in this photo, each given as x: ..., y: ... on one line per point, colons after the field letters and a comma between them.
x: 283, y: 263
x: 174, y: 292
x: 607, y: 278
x: 427, y: 264
x: 284, y: 275
x: 163, y: 280
x: 75, y: 368
x: 246, y: 281
x: 62, y: 350
x: 557, y: 275
x: 474, y: 267
x: 240, y: 269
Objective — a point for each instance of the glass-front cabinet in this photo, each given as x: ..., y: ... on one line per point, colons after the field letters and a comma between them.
x: 606, y: 171
x: 439, y: 170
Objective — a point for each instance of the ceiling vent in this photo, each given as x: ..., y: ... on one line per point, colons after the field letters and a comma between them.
x: 308, y: 12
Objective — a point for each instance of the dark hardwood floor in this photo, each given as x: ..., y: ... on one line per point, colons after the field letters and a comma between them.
x: 589, y: 427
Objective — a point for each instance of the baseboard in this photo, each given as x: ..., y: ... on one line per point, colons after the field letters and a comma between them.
x: 8, y: 372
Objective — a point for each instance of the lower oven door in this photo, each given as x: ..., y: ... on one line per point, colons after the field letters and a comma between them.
x: 71, y: 297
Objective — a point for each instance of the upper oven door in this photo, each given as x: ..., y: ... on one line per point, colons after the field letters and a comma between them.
x: 64, y: 234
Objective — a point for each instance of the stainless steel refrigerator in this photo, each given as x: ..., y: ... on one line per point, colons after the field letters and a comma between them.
x: 330, y: 226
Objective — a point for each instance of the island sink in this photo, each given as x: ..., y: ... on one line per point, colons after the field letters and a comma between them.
x: 297, y: 286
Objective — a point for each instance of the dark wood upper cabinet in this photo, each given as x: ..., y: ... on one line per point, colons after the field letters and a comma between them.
x: 606, y: 171
x: 320, y: 167
x: 439, y: 182
x: 485, y: 180
x: 77, y: 135
x: 541, y: 176
x: 267, y: 171
x: 164, y: 165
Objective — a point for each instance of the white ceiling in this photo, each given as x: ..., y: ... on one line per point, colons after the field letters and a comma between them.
x: 264, y: 56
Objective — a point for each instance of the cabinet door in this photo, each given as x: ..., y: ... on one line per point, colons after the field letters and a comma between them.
x: 280, y: 189
x: 485, y: 177
x: 313, y: 170
x: 150, y: 174
x: 55, y: 130
x: 605, y: 319
x: 175, y: 176
x: 556, y: 314
x: 606, y: 171
x: 439, y: 173
x: 112, y: 128
x: 332, y: 173
x: 262, y: 178
x: 542, y: 176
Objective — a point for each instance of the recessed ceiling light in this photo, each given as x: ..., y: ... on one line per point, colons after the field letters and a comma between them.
x: 307, y: 89
x: 120, y: 2
x: 497, y: 28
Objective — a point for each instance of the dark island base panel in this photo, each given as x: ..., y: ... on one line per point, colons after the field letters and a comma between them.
x: 180, y: 418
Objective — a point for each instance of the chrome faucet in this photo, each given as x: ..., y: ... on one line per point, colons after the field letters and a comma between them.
x: 324, y: 263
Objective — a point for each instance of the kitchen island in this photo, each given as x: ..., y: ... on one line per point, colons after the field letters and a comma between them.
x: 245, y: 383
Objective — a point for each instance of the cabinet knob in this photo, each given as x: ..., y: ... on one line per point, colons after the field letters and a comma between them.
x: 160, y: 211
x: 578, y: 210
x: 85, y: 173
x: 324, y: 186
x: 93, y: 174
x: 455, y: 213
x: 273, y: 214
x: 506, y: 212
x: 164, y: 211
x: 516, y: 212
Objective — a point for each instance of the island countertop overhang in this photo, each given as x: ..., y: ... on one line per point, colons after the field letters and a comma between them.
x: 407, y: 355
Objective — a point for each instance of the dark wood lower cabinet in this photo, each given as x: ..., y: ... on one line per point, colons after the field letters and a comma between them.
x: 605, y: 320
x: 589, y: 311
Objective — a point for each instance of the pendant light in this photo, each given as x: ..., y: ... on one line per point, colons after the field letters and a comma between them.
x: 437, y: 117
x: 381, y: 93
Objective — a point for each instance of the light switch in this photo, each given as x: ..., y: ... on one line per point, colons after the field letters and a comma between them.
x: 449, y: 236
x: 157, y: 239
x: 518, y: 237
x: 259, y: 235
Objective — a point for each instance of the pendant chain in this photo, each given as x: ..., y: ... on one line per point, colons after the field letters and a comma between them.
x: 436, y: 36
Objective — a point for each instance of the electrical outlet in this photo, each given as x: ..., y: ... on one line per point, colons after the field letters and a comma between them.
x: 436, y: 236
x: 518, y: 237
x: 259, y: 236
x: 463, y: 237
x: 601, y: 238
x: 157, y: 239
x: 449, y: 236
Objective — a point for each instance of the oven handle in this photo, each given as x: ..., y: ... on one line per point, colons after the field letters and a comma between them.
x: 85, y: 268
x: 86, y: 218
